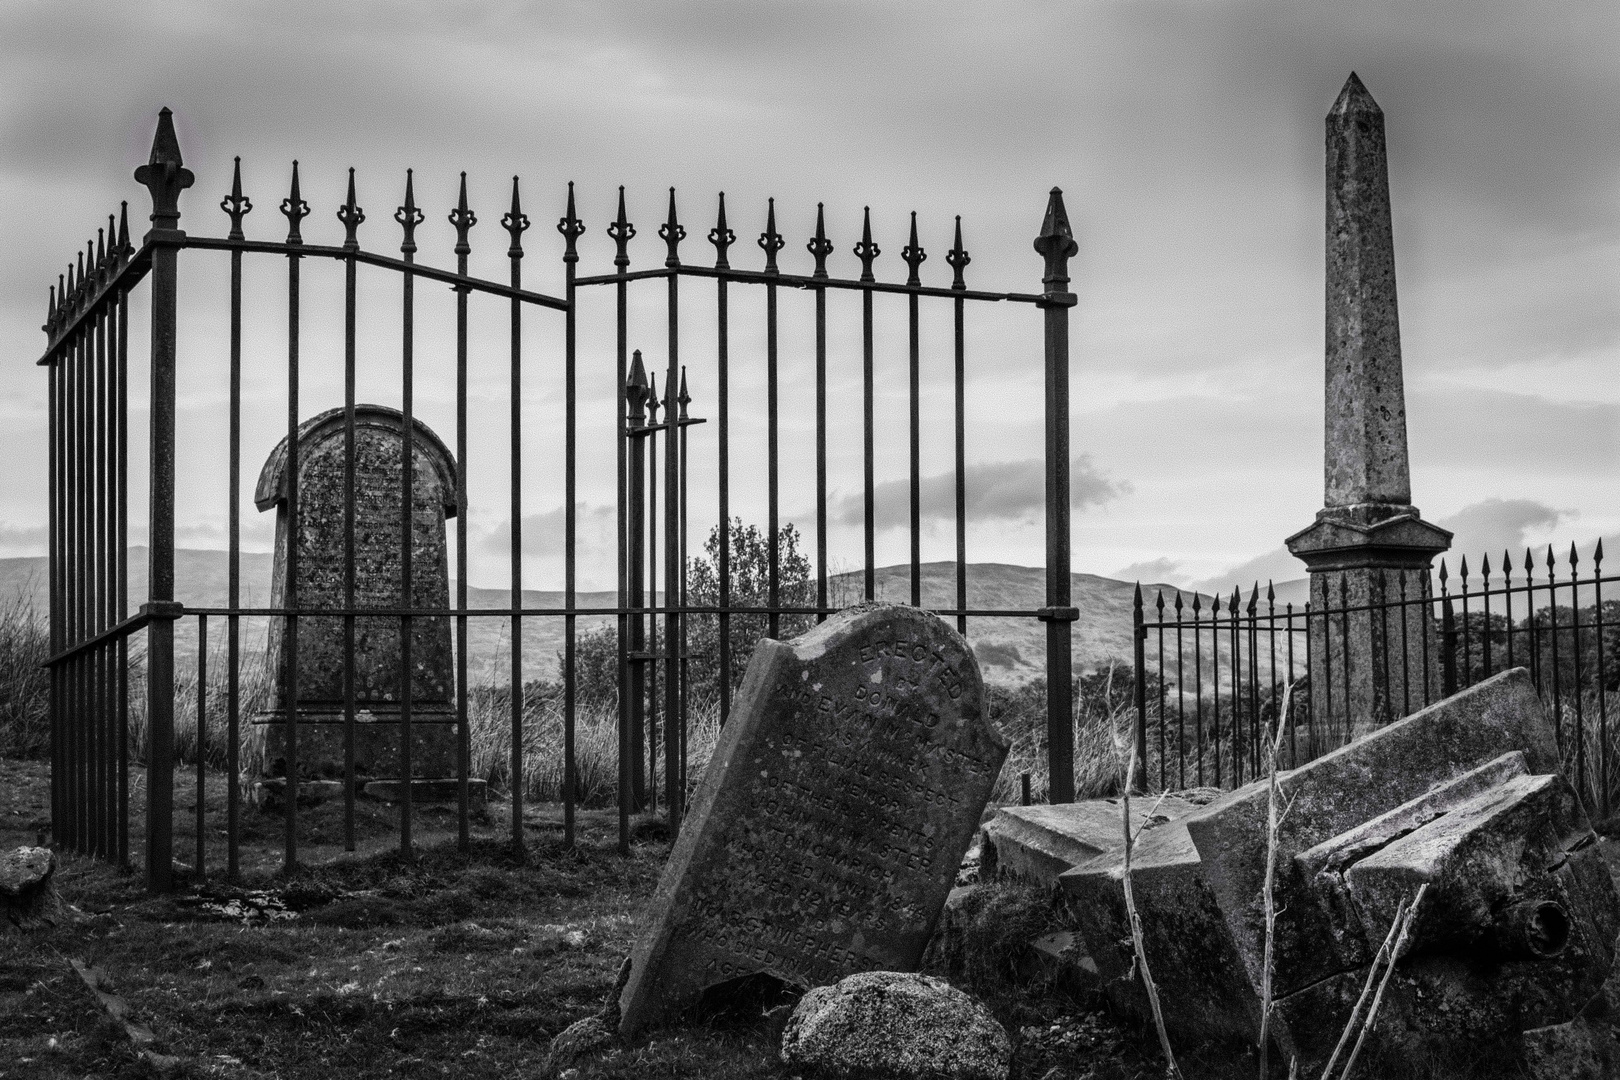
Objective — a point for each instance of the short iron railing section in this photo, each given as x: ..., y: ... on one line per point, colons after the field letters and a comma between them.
x: 91, y: 628
x: 1211, y: 670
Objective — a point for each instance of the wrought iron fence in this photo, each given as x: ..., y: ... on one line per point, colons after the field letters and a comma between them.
x: 87, y: 374
x: 1211, y: 670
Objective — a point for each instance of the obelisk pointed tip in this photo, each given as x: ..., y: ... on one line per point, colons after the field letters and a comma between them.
x: 1354, y: 98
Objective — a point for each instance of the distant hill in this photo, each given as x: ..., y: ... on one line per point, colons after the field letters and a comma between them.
x: 1009, y: 649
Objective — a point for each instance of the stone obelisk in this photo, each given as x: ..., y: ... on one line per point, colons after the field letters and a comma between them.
x: 1369, y: 546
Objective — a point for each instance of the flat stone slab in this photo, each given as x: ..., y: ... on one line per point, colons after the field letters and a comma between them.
x: 1035, y: 844
x: 832, y: 818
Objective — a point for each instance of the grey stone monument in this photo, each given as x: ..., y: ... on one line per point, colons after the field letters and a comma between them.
x: 832, y: 818
x: 379, y: 468
x: 1369, y: 545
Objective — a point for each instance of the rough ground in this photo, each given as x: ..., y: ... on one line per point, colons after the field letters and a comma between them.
x: 362, y: 965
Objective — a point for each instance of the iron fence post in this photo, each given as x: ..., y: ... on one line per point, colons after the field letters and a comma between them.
x: 1056, y: 245
x: 165, y: 176
x: 1139, y: 638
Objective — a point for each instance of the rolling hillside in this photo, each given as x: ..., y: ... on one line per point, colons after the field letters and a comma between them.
x: 1009, y: 649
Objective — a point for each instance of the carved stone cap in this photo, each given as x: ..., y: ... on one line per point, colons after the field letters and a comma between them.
x: 1369, y: 535
x: 272, y: 487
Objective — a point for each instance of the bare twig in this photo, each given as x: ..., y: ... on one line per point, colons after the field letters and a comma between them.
x: 1274, y: 819
x: 1389, y: 969
x: 1136, y: 922
x: 1372, y: 977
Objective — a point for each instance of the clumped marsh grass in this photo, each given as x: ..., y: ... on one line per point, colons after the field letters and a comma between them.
x: 25, y: 645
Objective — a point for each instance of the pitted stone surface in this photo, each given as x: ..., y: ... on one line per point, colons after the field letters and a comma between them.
x: 832, y: 818
x: 379, y: 470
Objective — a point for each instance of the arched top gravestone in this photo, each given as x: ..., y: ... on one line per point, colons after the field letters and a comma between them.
x: 323, y: 649
x: 832, y: 818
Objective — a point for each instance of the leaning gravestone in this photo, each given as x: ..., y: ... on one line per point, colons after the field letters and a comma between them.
x: 379, y: 470
x: 832, y: 818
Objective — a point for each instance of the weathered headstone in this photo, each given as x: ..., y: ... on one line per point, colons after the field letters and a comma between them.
x: 1369, y: 546
x: 378, y: 578
x: 831, y: 820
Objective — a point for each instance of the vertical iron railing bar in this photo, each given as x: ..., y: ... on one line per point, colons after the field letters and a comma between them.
x: 1271, y: 631
x: 98, y: 667
x: 1215, y: 686
x: 1426, y: 589
x: 351, y: 215
x: 620, y: 231
x: 571, y: 228
x: 1602, y: 682
x: 648, y: 662
x: 122, y: 544
x: 867, y: 252
x: 463, y: 219
x: 1198, y: 685
x: 82, y: 600
x: 201, y: 871
x: 1293, y: 724
x: 295, y: 210
x: 1159, y: 605
x: 771, y: 242
x: 1139, y: 683
x: 1181, y: 701
x: 1382, y: 706
x: 1575, y: 651
x: 1406, y: 674
x: 1507, y: 601
x: 95, y: 582
x: 685, y: 400
x: 1466, y: 677
x: 1530, y: 618
x: 722, y: 238
x: 409, y: 216
x: 1256, y: 726
x: 515, y: 222
x: 674, y: 536
x: 958, y: 259
x: 913, y: 255
x: 1552, y: 618
x: 1313, y: 743
x: 1240, y: 743
x: 635, y: 530
x: 54, y: 573
x: 819, y: 247
x: 236, y: 205
x: 1485, y: 605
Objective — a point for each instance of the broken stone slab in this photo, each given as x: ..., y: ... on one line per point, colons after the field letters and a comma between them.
x: 28, y: 897
x: 1519, y: 923
x: 896, y: 1024
x: 1037, y: 843
x: 832, y: 818
x: 271, y: 793
x: 425, y: 791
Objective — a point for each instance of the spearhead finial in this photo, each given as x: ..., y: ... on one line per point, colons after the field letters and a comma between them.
x: 866, y: 250
x: 652, y: 398
x: 635, y: 387
x: 685, y: 399
x: 672, y: 233
x: 463, y: 219
x: 165, y: 174
x: 721, y: 237
x: 1597, y: 555
x: 770, y: 241
x: 1366, y: 455
x: 515, y: 221
x: 913, y: 253
x: 237, y: 204
x: 1056, y: 244
x: 295, y: 209
x: 958, y: 257
x: 409, y: 217
x: 124, y: 245
x: 621, y: 232
x: 819, y: 246
x: 571, y: 228
x: 351, y: 215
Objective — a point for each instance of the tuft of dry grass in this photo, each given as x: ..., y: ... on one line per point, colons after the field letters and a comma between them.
x: 25, y: 645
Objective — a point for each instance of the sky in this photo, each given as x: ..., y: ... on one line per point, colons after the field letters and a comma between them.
x: 1187, y: 138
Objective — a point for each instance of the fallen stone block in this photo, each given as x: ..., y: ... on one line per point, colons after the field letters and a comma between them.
x: 28, y: 898
x: 898, y: 1025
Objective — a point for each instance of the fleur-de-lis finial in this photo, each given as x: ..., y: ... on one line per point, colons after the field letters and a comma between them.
x: 409, y: 217
x: 866, y: 250
x: 958, y: 257
x: 770, y: 241
x: 672, y: 233
x: 913, y: 254
x: 295, y: 209
x: 571, y: 228
x: 351, y: 215
x: 515, y: 221
x: 819, y: 246
x: 236, y: 204
x: 721, y: 237
x: 621, y: 232
x: 463, y: 219
x: 165, y: 175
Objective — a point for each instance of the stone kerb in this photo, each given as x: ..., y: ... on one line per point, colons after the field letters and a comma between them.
x: 378, y: 577
x: 831, y: 820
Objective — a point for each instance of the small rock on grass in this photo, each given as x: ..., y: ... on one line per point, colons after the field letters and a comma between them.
x: 896, y: 1024
x: 28, y: 896
x: 592, y: 1034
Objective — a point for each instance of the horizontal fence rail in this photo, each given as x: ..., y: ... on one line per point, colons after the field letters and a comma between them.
x: 291, y: 723
x: 1211, y: 670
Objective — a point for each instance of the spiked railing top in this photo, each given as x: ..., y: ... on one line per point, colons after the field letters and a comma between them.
x: 652, y: 398
x: 721, y: 237
x: 351, y: 216
x: 165, y: 175
x: 671, y: 232
x: 571, y: 228
x: 621, y: 232
x: 819, y: 246
x: 913, y: 253
x: 686, y: 399
x: 125, y: 248
x: 409, y: 217
x: 771, y: 241
x: 236, y: 204
x: 1056, y: 244
x: 463, y: 219
x: 865, y: 249
x: 635, y: 386
x: 295, y: 209
x: 515, y: 221
x: 957, y: 257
